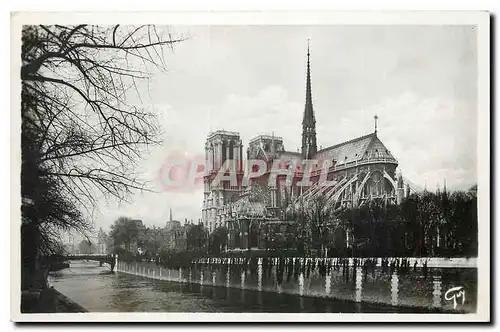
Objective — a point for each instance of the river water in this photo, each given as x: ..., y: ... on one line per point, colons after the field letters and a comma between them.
x: 99, y: 290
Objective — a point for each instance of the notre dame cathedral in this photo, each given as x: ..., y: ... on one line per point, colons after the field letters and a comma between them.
x: 359, y: 170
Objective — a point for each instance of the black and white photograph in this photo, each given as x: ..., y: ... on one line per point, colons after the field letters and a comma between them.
x: 282, y: 167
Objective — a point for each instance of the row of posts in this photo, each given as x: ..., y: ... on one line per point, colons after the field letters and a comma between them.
x: 138, y: 270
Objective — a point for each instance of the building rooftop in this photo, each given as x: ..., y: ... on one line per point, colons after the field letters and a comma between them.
x: 355, y: 150
x: 266, y: 137
x: 223, y: 132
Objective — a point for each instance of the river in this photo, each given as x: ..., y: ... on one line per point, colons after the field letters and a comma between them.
x: 99, y: 290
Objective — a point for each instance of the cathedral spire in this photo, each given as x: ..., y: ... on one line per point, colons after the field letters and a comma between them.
x: 309, y: 147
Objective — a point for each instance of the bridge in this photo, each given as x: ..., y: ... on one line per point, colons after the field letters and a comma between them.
x: 101, y: 258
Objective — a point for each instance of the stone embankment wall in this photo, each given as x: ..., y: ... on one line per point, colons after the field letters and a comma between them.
x: 396, y: 282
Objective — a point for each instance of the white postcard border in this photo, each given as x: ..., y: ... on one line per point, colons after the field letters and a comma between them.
x: 479, y: 18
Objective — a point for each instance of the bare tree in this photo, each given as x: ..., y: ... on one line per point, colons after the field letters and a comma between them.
x: 315, y: 222
x: 319, y: 214
x: 82, y: 136
x: 81, y: 80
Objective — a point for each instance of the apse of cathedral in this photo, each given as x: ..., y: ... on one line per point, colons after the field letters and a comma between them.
x: 347, y: 174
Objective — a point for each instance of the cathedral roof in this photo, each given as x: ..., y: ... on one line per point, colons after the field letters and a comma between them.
x: 292, y: 153
x: 364, y: 147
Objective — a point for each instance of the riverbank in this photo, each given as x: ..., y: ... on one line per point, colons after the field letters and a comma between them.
x: 48, y: 300
x: 102, y: 292
x: 235, y: 288
x: 65, y: 304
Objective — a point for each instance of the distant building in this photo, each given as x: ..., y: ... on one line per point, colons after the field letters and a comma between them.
x: 174, y: 235
x: 172, y: 224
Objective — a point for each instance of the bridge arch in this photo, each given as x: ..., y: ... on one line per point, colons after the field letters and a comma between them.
x: 101, y: 258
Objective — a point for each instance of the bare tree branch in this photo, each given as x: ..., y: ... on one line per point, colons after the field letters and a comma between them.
x: 81, y: 137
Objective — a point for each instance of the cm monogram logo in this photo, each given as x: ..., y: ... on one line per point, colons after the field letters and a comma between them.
x: 454, y: 294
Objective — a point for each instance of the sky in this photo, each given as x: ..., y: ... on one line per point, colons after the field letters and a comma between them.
x: 421, y: 81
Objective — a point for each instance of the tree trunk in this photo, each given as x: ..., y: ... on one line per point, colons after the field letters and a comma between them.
x: 30, y: 242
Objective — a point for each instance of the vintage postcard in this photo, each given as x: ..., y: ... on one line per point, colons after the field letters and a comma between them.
x: 250, y: 167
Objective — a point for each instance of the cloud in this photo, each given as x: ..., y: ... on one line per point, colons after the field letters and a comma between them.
x: 432, y: 138
x: 269, y: 110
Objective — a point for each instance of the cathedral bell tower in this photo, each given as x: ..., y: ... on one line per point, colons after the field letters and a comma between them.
x: 309, y: 147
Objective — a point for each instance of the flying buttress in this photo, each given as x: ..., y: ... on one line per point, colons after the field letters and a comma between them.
x: 360, y: 188
x: 336, y: 193
x: 393, y: 183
